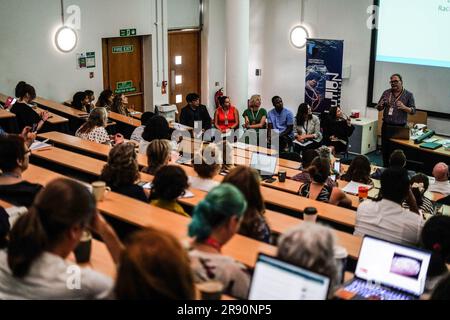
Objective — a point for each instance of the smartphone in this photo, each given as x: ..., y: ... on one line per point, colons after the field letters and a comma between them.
x: 34, y: 129
x: 337, y: 166
x: 270, y: 180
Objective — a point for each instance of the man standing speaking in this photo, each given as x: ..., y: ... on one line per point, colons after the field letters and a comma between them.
x: 396, y: 103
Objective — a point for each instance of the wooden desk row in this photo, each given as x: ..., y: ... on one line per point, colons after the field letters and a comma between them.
x: 102, y: 151
x: 285, y: 200
x: 140, y: 214
x: 54, y: 118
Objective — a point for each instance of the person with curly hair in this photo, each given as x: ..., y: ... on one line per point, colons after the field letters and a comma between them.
x: 121, y: 172
x: 169, y: 184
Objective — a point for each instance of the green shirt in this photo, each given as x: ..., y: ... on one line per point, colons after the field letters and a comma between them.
x: 255, y: 117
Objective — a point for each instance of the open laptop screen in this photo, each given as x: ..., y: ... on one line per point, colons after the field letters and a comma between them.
x: 274, y: 279
x: 265, y: 164
x: 401, y: 267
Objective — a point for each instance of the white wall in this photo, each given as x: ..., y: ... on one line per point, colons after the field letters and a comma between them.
x: 183, y: 14
x: 213, y: 51
x: 283, y: 66
x: 27, y: 52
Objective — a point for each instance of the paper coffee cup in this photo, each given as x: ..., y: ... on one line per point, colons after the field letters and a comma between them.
x: 210, y: 290
x: 341, y: 255
x: 310, y: 215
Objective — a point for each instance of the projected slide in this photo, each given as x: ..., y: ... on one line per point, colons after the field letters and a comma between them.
x: 414, y: 32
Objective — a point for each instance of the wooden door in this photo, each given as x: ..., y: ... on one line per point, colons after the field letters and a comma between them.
x: 184, y: 66
x: 123, y: 68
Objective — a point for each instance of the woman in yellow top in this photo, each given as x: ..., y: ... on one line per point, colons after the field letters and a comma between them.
x: 169, y: 184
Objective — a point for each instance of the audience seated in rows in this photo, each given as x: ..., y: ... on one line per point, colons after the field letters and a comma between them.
x: 154, y: 266
x: 255, y: 117
x: 436, y: 238
x: 195, y: 112
x: 359, y: 171
x: 441, y: 175
x: 137, y: 133
x: 337, y: 130
x: 120, y: 105
x: 304, y: 176
x: 386, y: 218
x: 34, y: 266
x: 170, y: 183
x: 14, y: 160
x: 311, y: 246
x: 281, y: 120
x: 317, y: 189
x: 227, y: 116
x: 156, y: 128
x: 419, y: 186
x: 215, y: 221
x: 254, y: 224
x: 207, y: 165
x: 396, y: 160
x: 23, y: 108
x: 307, y: 129
x: 158, y: 155
x: 121, y: 172
x: 105, y: 100
x: 81, y: 101
x: 91, y: 97
x: 95, y: 129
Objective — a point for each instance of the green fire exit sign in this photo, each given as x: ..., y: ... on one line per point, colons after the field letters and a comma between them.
x: 128, y: 32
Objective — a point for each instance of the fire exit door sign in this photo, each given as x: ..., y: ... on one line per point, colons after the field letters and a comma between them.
x: 128, y: 32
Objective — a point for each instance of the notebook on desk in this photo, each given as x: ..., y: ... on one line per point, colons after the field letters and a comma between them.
x: 431, y: 145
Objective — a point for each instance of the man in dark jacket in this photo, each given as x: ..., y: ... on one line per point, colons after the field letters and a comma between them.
x: 194, y: 111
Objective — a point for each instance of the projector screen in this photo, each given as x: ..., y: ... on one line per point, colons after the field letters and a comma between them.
x: 413, y: 40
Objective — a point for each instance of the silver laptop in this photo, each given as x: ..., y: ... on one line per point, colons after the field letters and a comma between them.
x: 389, y: 271
x: 274, y: 279
x: 266, y: 165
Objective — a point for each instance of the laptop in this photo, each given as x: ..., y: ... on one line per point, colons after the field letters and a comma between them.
x: 265, y: 165
x: 388, y: 271
x: 401, y: 133
x: 274, y: 279
x: 187, y: 148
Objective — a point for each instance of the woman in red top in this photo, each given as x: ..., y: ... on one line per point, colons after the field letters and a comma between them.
x: 227, y: 116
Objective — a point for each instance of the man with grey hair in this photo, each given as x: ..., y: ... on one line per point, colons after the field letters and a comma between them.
x: 440, y: 174
x: 311, y: 246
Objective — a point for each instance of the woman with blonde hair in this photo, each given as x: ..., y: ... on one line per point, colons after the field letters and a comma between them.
x: 255, y: 116
x: 207, y: 164
x: 95, y: 128
x: 159, y: 153
x: 121, y: 172
x: 154, y: 266
x: 253, y: 224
